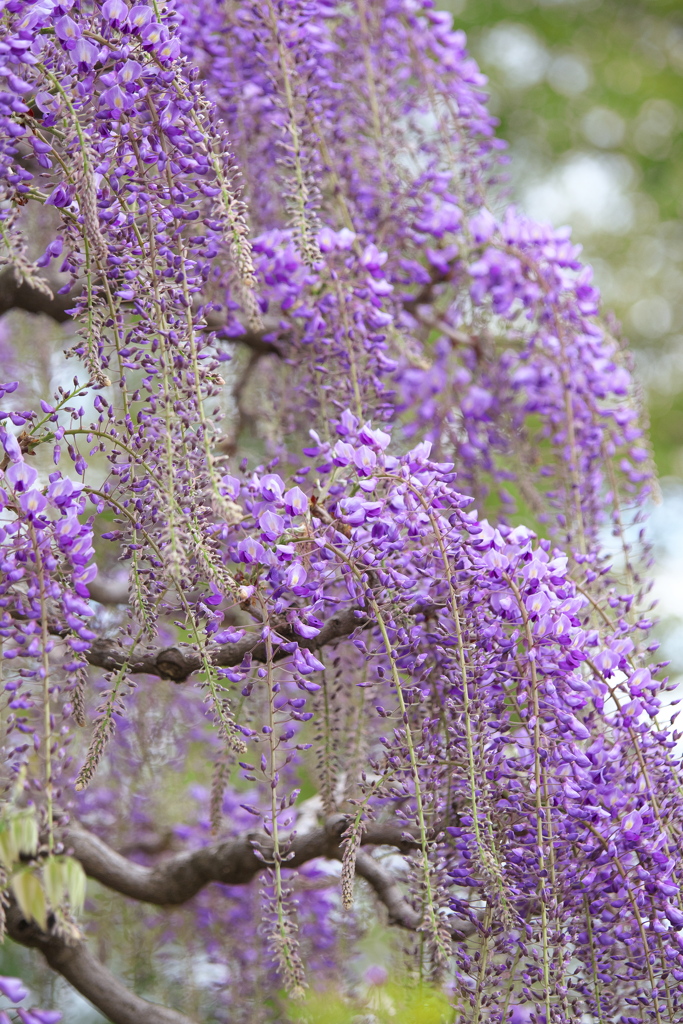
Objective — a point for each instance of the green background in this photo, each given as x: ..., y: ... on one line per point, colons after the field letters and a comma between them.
x: 590, y: 97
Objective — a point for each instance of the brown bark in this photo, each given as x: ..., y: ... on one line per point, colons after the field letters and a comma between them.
x: 177, y: 663
x: 70, y: 957
x: 19, y: 293
x: 179, y: 877
x: 232, y: 862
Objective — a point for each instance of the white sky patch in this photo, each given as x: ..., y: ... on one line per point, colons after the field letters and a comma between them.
x: 568, y: 75
x: 588, y: 190
x: 603, y: 127
x: 651, y: 317
x: 518, y: 53
x: 665, y: 531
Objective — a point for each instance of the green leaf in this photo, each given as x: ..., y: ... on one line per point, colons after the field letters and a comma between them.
x: 24, y: 829
x: 30, y: 896
x: 75, y: 883
x: 54, y: 881
x: 8, y: 850
x: 64, y: 879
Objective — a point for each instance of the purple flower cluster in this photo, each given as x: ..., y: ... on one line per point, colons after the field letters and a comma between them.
x: 46, y: 563
x: 15, y: 991
x: 310, y: 182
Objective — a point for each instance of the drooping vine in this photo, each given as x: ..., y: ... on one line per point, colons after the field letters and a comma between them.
x: 375, y: 614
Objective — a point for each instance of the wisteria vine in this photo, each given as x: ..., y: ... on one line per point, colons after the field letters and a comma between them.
x: 353, y: 437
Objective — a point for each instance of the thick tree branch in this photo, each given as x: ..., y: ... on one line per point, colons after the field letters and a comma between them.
x: 180, y: 877
x: 389, y: 892
x: 16, y: 292
x: 71, y: 958
x: 426, y: 293
x: 255, y: 341
x: 233, y: 862
x: 177, y: 663
x: 237, y: 861
x: 109, y: 591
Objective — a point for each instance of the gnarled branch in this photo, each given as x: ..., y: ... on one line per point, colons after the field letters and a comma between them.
x: 232, y: 862
x: 178, y: 878
x: 389, y: 892
x: 71, y: 958
x: 17, y: 292
x: 109, y: 591
x: 177, y: 663
x: 175, y: 880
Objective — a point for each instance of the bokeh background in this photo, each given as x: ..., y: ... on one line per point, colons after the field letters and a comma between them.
x: 590, y: 98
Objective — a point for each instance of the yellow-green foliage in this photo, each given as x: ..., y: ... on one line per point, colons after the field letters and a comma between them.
x: 47, y: 881
x: 389, y: 1004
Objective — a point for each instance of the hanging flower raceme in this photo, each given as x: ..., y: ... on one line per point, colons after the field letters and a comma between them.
x: 46, y: 566
x: 281, y: 213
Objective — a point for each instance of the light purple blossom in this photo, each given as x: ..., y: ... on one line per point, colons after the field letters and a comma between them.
x: 116, y: 12
x: 249, y: 551
x: 21, y: 476
x: 272, y: 525
x: 296, y: 502
x: 13, y: 989
x: 67, y: 31
x: 295, y: 575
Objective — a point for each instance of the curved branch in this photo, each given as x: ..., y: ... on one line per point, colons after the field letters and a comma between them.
x: 16, y: 292
x: 177, y: 663
x: 109, y: 591
x: 71, y: 958
x: 426, y: 293
x: 233, y: 862
x: 180, y: 877
x: 389, y: 892
x: 258, y: 342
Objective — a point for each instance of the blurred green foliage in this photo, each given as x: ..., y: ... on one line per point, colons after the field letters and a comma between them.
x: 590, y: 97
x: 381, y: 1004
